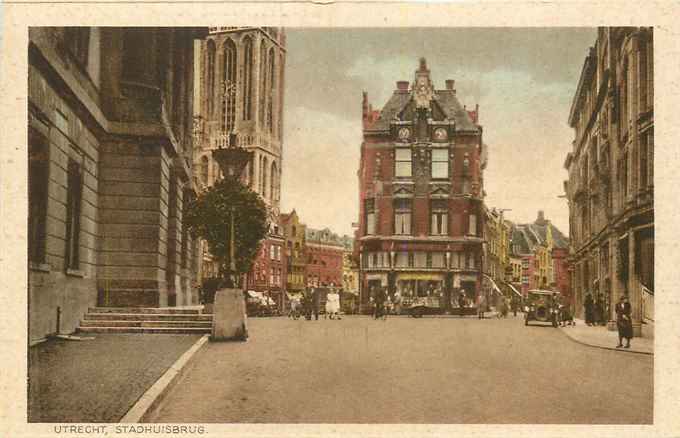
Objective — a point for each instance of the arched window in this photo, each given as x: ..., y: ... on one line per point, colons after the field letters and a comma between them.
x: 205, y: 163
x: 251, y: 174
x: 210, y: 77
x: 229, y: 86
x: 263, y: 82
x: 270, y: 101
x: 263, y: 177
x: 273, y: 176
x: 248, y: 79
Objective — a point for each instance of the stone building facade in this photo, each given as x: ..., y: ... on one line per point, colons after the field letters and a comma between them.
x: 611, y: 186
x: 421, y: 193
x: 241, y: 91
x: 109, y: 148
x: 296, y: 254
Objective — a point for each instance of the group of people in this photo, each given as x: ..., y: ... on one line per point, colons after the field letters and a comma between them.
x: 309, y: 303
x: 595, y: 310
x: 384, y: 304
x: 596, y: 314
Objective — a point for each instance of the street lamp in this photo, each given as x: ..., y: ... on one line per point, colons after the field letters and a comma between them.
x: 232, y: 160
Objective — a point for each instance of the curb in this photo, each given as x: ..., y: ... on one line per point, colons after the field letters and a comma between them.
x: 602, y: 347
x: 150, y: 400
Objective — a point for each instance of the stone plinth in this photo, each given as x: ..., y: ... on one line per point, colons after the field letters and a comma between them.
x: 229, y: 316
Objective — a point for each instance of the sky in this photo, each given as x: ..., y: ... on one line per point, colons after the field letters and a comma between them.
x: 523, y: 80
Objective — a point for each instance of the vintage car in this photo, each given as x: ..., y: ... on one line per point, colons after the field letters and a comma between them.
x: 541, y: 306
x: 416, y: 307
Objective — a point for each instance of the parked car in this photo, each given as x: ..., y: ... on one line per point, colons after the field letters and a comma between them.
x: 541, y: 306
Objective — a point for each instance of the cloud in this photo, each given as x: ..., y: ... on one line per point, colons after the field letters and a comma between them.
x: 523, y: 80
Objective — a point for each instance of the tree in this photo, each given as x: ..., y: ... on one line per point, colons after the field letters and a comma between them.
x: 209, y: 215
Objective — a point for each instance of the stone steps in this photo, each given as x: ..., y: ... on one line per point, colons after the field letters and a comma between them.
x: 145, y: 310
x: 145, y: 320
x: 148, y: 330
x: 146, y: 316
x: 159, y: 324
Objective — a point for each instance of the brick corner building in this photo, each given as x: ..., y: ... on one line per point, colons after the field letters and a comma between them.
x: 421, y: 194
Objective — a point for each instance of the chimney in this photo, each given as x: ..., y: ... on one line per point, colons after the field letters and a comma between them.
x: 477, y: 113
x: 450, y: 84
x: 402, y: 85
x: 364, y: 106
x: 540, y: 220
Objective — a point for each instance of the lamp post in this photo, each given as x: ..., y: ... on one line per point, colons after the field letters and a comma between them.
x: 232, y: 160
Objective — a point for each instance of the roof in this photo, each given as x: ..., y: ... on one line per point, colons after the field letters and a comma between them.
x: 446, y: 99
x: 325, y: 236
x: 528, y: 236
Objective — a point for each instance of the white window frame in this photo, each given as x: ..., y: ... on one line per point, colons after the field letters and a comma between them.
x: 401, y: 168
x: 439, y: 166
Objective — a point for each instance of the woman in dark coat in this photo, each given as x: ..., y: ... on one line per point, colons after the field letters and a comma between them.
x: 588, y: 304
x: 624, y: 322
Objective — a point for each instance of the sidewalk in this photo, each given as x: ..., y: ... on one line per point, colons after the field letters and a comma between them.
x: 97, y: 380
x: 600, y: 337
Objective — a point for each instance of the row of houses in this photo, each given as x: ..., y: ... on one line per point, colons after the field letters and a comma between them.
x: 521, y: 257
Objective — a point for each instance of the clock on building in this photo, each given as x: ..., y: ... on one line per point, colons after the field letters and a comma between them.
x: 404, y: 133
x: 440, y: 134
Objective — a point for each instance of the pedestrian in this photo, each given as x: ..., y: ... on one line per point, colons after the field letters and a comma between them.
x: 461, y: 302
x: 588, y: 304
x: 333, y: 305
x: 379, y: 302
x: 504, y: 307
x: 294, y: 307
x: 316, y: 298
x: 397, y: 303
x: 481, y: 303
x: 514, y: 305
x: 597, y: 311
x: 307, y: 303
x: 624, y: 322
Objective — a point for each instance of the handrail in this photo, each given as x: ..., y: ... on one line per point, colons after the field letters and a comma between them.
x: 647, y: 302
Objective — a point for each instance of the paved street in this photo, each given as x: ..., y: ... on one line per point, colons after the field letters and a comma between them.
x: 97, y: 380
x: 432, y: 370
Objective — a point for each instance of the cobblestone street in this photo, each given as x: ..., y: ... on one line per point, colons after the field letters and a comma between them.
x: 97, y: 380
x: 432, y: 370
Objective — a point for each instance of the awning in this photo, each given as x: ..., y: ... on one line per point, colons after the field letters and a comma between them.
x: 253, y: 294
x: 419, y: 276
x: 513, y: 289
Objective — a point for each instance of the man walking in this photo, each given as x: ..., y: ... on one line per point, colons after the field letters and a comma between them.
x: 481, y: 303
x: 316, y: 298
x: 461, y: 302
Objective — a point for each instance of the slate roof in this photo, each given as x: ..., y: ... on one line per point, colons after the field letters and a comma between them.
x: 325, y: 236
x: 446, y: 99
x: 527, y: 236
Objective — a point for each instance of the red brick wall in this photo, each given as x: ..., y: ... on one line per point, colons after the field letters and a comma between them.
x: 328, y: 266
